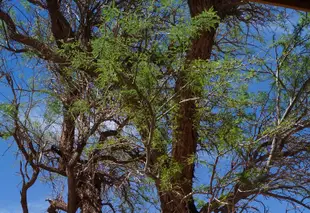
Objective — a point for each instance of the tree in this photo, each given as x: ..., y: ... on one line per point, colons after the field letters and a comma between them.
x: 135, y: 95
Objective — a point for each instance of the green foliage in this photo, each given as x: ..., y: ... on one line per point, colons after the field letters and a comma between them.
x: 7, y: 109
x: 183, y: 33
x: 53, y: 109
x: 135, y: 51
x: 168, y: 174
x: 200, y: 203
x: 5, y: 135
x: 80, y: 107
x: 159, y: 141
x: 78, y: 59
x: 141, y: 57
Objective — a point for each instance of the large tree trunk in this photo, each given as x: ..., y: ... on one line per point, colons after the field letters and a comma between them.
x: 89, y: 191
x: 91, y: 202
x: 180, y: 200
x: 185, y: 138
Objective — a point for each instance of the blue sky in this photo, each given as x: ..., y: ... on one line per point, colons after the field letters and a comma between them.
x: 10, y: 179
x: 10, y: 184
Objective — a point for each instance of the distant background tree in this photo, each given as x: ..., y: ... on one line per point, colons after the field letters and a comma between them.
x: 126, y: 103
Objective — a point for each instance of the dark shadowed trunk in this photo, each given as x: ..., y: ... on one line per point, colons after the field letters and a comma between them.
x: 89, y: 188
x: 185, y: 135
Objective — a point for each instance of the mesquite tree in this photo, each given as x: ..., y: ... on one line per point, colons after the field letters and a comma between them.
x: 128, y: 103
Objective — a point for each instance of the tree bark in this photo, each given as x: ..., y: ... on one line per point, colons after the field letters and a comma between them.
x: 185, y: 139
x: 89, y: 192
x: 185, y: 136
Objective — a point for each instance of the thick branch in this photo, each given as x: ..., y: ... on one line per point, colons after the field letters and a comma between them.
x: 26, y: 186
x: 56, y: 205
x: 61, y: 28
x: 72, y: 193
x: 44, y: 51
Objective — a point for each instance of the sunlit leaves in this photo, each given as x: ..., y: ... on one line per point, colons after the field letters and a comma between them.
x: 7, y: 109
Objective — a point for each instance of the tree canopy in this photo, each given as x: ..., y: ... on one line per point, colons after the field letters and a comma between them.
x: 165, y: 106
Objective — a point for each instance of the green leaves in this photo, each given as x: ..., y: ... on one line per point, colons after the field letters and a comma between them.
x: 5, y: 135
x: 79, y: 107
x: 53, y: 109
x: 7, y: 109
x: 182, y: 34
x: 168, y: 174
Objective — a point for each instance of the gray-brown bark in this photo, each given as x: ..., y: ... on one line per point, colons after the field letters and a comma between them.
x: 185, y: 135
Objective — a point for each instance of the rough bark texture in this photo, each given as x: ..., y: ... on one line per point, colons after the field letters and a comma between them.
x: 91, y: 198
x: 185, y: 136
